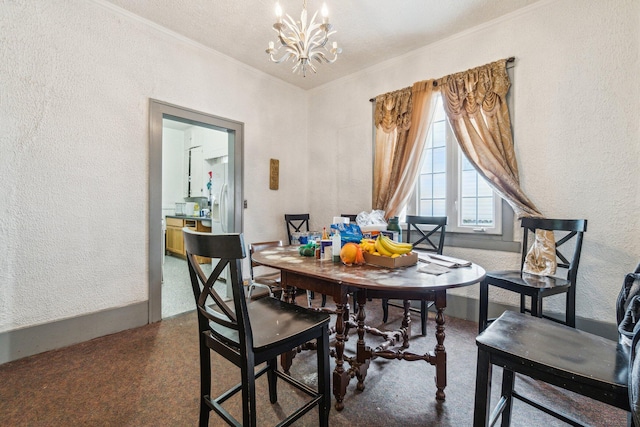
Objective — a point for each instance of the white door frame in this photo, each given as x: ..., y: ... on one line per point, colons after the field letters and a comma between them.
x: 157, y: 111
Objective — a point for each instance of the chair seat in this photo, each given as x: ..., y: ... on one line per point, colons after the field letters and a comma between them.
x: 519, y: 282
x: 271, y: 280
x: 278, y: 322
x: 560, y: 355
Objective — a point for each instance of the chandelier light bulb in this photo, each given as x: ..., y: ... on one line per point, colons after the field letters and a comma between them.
x: 325, y: 13
x: 278, y: 12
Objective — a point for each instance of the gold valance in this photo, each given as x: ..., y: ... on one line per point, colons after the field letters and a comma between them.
x: 393, y: 110
x: 478, y: 88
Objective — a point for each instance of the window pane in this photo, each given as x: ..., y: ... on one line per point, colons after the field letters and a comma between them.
x: 426, y: 191
x: 438, y: 113
x: 425, y: 208
x: 468, y: 212
x: 439, y: 208
x: 440, y: 186
x: 485, y: 212
x: 483, y: 188
x: 439, y: 159
x: 429, y: 143
x: 439, y: 136
x: 427, y: 162
x: 468, y: 185
x: 466, y: 164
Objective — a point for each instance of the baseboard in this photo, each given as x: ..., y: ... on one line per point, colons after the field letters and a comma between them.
x: 25, y: 342
x: 467, y: 308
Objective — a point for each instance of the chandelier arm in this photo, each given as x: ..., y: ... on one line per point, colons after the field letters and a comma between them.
x: 284, y: 57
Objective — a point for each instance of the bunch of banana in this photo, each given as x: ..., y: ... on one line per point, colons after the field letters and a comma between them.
x: 368, y: 245
x: 387, y: 247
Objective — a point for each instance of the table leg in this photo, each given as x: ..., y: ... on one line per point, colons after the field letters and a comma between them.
x: 439, y: 351
x: 363, y: 353
x: 340, y: 375
x: 406, y: 323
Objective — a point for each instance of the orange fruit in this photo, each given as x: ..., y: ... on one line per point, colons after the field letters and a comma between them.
x: 349, y: 252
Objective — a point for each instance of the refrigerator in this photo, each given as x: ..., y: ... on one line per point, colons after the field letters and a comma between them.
x: 218, y: 194
x: 219, y: 198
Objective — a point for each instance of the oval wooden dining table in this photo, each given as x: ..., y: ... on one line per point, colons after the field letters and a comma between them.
x: 368, y: 281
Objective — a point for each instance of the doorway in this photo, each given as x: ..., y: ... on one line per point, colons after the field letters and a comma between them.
x: 189, y: 182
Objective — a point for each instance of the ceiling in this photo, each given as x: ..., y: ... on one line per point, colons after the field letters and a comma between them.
x: 368, y: 31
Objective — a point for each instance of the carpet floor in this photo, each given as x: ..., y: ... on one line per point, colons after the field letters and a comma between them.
x: 149, y: 376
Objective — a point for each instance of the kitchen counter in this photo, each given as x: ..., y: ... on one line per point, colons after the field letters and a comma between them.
x: 197, y: 218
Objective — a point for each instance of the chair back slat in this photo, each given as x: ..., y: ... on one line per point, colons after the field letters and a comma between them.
x: 229, y: 249
x: 295, y: 223
x: 574, y: 229
x: 428, y: 237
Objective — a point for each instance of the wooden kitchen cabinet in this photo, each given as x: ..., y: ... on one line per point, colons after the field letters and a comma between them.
x: 175, y: 242
x: 174, y: 239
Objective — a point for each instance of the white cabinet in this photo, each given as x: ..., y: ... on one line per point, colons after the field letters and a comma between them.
x: 194, y: 173
x: 216, y: 144
x: 201, y: 144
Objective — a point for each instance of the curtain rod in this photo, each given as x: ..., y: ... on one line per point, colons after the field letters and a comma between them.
x: 435, y: 82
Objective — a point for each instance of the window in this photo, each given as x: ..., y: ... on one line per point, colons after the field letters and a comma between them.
x: 449, y: 185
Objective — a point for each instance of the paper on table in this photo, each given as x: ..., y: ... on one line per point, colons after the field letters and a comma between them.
x: 445, y: 261
x: 434, y: 269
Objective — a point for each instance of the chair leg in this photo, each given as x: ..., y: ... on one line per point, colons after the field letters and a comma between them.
x: 536, y: 305
x: 309, y: 298
x: 570, y: 310
x: 248, y: 392
x: 523, y: 303
x: 423, y: 316
x: 324, y: 382
x: 482, y: 402
x: 508, y: 381
x: 272, y: 380
x: 385, y: 310
x: 484, y: 306
x: 205, y: 382
x: 324, y: 300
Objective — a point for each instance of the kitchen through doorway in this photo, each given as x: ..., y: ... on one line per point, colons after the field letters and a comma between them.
x: 200, y: 176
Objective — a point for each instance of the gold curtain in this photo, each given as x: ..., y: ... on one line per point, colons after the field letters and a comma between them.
x: 476, y: 107
x: 392, y: 120
x: 408, y: 158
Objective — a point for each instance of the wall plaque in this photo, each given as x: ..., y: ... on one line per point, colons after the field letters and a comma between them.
x: 274, y: 174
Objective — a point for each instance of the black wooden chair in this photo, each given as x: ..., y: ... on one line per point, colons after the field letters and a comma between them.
x: 557, y: 354
x: 587, y: 364
x: 250, y: 334
x: 352, y: 218
x: 296, y: 223
x: 431, y: 239
x: 262, y: 276
x: 535, y: 286
x: 300, y: 223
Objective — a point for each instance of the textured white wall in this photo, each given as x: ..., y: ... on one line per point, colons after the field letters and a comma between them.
x: 574, y: 119
x: 74, y: 98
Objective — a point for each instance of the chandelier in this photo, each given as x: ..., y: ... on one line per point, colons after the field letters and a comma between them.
x: 302, y: 41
